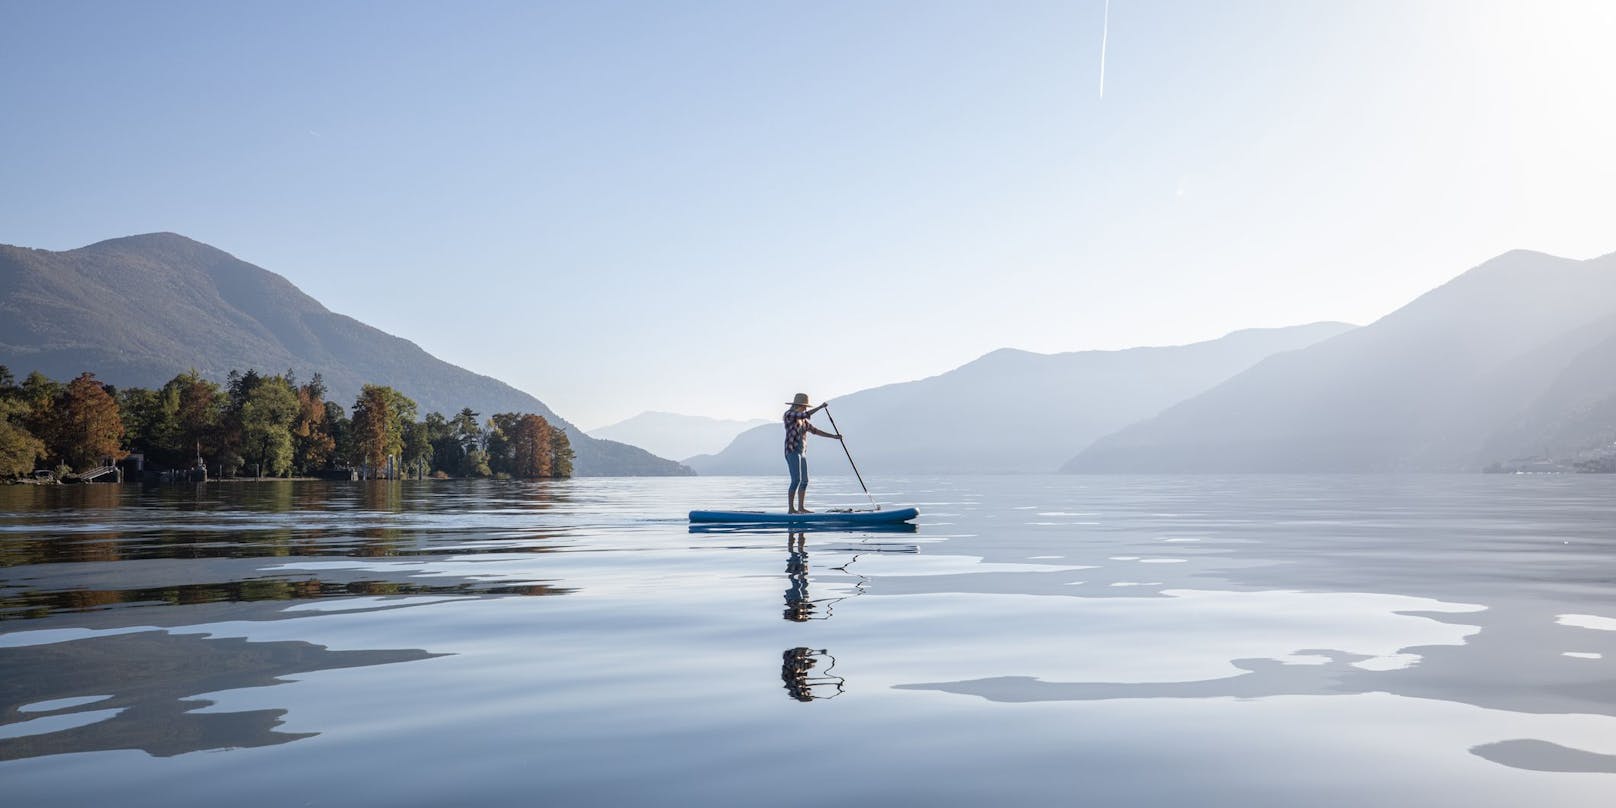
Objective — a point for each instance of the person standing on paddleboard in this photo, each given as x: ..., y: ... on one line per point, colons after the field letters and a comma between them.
x: 797, y: 429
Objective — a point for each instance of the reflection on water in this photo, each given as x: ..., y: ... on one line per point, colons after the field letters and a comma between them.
x: 1500, y: 662
x: 109, y: 556
x: 802, y: 682
x: 798, y: 664
x: 1542, y: 756
x: 799, y: 606
x: 143, y: 691
x: 1034, y: 641
x: 797, y: 667
x: 35, y: 604
x: 83, y: 545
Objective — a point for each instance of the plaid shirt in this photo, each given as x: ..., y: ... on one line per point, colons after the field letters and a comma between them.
x: 797, y: 428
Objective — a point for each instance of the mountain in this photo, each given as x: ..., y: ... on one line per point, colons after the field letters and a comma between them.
x: 1011, y: 410
x: 1574, y: 414
x: 667, y: 434
x: 1512, y: 357
x: 138, y: 310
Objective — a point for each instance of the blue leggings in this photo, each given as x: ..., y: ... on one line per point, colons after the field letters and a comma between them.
x: 797, y: 462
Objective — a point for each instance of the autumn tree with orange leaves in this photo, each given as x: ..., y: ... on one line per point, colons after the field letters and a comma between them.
x: 526, y: 446
x: 530, y: 447
x: 379, y: 416
x: 88, y: 428
x: 312, y: 442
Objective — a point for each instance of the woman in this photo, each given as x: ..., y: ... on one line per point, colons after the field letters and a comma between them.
x: 797, y: 429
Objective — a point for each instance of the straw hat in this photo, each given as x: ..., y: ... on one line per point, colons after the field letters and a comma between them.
x: 801, y: 398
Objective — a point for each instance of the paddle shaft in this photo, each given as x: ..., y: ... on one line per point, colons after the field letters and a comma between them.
x: 843, y: 442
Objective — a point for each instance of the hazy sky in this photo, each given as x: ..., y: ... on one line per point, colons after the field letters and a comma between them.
x: 705, y: 207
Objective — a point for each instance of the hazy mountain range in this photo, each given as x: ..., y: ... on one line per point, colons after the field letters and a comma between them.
x: 138, y: 310
x: 1516, y: 357
x: 1513, y: 358
x: 1011, y: 410
x: 667, y: 434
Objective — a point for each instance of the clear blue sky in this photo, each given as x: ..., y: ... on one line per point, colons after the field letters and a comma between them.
x: 705, y: 207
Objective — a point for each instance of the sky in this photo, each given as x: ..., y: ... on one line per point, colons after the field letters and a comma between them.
x: 706, y: 207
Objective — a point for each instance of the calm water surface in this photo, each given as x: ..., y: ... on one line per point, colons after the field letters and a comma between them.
x: 1334, y: 640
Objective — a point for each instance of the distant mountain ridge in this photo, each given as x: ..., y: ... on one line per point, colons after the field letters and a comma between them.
x: 1014, y: 411
x: 668, y: 434
x: 138, y: 310
x: 1512, y: 358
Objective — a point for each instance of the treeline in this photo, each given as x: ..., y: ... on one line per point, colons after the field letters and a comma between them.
x: 262, y: 426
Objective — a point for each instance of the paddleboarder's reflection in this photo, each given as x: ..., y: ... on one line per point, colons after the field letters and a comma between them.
x: 797, y: 664
x: 796, y: 670
x: 799, y: 607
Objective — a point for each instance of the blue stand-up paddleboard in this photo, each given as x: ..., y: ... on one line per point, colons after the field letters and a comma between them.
x: 880, y: 517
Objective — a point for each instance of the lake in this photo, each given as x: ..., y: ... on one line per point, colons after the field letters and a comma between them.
x: 1040, y: 640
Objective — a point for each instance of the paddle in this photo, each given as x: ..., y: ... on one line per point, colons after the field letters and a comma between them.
x: 843, y: 441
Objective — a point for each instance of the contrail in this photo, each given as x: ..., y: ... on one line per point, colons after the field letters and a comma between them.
x: 1105, y: 29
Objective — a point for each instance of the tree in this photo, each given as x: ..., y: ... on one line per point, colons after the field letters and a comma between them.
x: 561, y: 454
x: 447, y: 456
x: 174, y: 424
x: 232, y: 451
x: 461, y: 453
x: 312, y: 441
x: 138, y: 407
x: 403, y: 408
x: 198, y: 415
x: 477, y: 464
x: 340, y: 427
x: 40, y: 395
x: 418, y: 439
x: 380, y: 414
x: 88, y: 424
x: 239, y: 385
x: 19, y: 449
x: 530, y: 447
x: 526, y: 445
x: 466, y: 430
x: 265, y: 414
x: 371, y: 443
x: 497, y: 442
